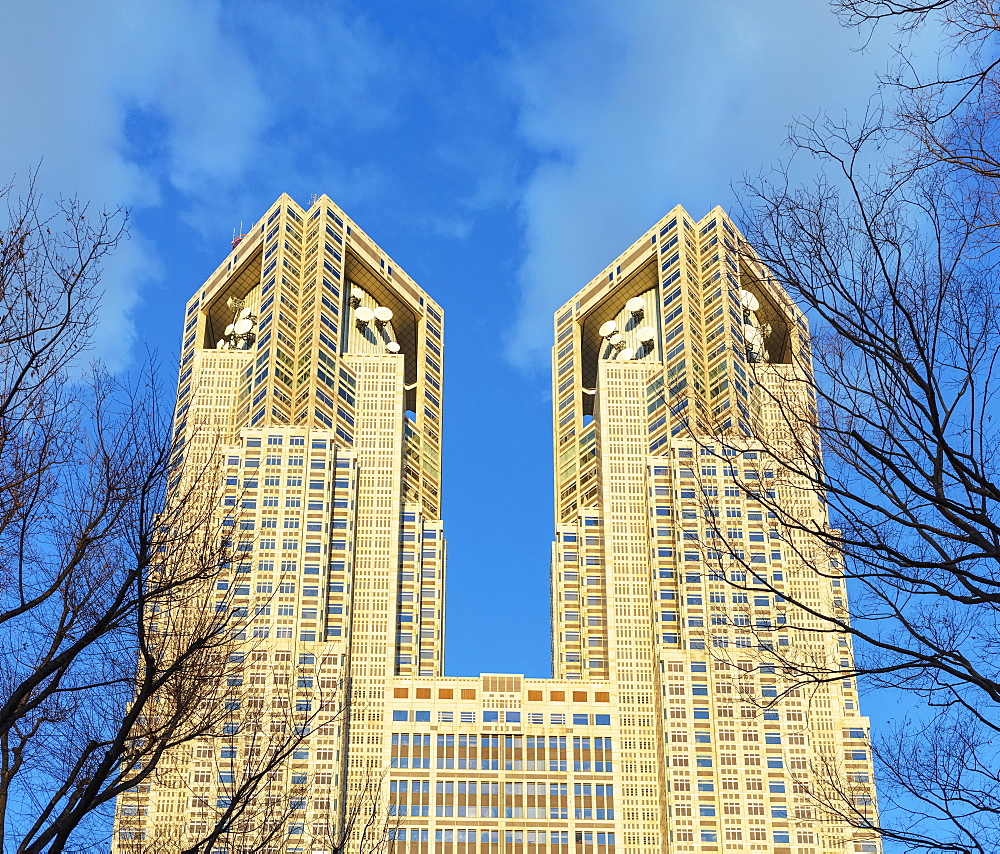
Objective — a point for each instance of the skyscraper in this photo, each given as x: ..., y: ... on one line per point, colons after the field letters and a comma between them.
x: 311, y: 373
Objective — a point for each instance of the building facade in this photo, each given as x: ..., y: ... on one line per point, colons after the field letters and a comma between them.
x: 311, y: 375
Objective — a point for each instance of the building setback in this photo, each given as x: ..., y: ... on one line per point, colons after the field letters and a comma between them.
x: 311, y: 380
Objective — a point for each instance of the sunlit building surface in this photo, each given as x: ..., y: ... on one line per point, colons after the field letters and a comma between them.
x: 311, y: 372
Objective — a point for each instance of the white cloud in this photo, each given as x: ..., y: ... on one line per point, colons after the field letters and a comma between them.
x: 75, y: 77
x: 637, y: 105
x: 631, y: 105
x: 334, y: 79
x: 198, y: 103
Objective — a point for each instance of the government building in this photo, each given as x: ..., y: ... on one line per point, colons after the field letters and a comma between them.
x: 693, y: 706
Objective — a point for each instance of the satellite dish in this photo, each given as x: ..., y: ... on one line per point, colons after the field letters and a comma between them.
x: 242, y: 327
x: 625, y: 355
x: 636, y: 306
x: 383, y: 314
x: 357, y: 293
x: 607, y: 329
x: 225, y: 345
x: 615, y: 339
x: 646, y: 334
x: 392, y: 347
x: 220, y: 344
x: 229, y: 329
x: 246, y: 313
x: 234, y: 304
x: 748, y: 300
x: 364, y: 314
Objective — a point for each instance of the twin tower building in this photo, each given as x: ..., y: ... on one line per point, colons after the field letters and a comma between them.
x: 312, y: 382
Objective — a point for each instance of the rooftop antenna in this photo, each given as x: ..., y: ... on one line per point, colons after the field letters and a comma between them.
x: 238, y: 238
x: 239, y: 334
x: 363, y: 316
x: 382, y: 316
x: 749, y: 301
x: 753, y: 333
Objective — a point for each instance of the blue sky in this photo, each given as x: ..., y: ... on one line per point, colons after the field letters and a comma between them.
x: 502, y: 153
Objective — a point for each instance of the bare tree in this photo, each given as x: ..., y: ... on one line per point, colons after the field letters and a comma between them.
x: 255, y: 789
x: 895, y: 262
x: 119, y: 657
x: 949, y: 114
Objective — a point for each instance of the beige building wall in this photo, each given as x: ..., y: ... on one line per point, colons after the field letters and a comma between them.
x: 660, y: 388
x: 670, y: 723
